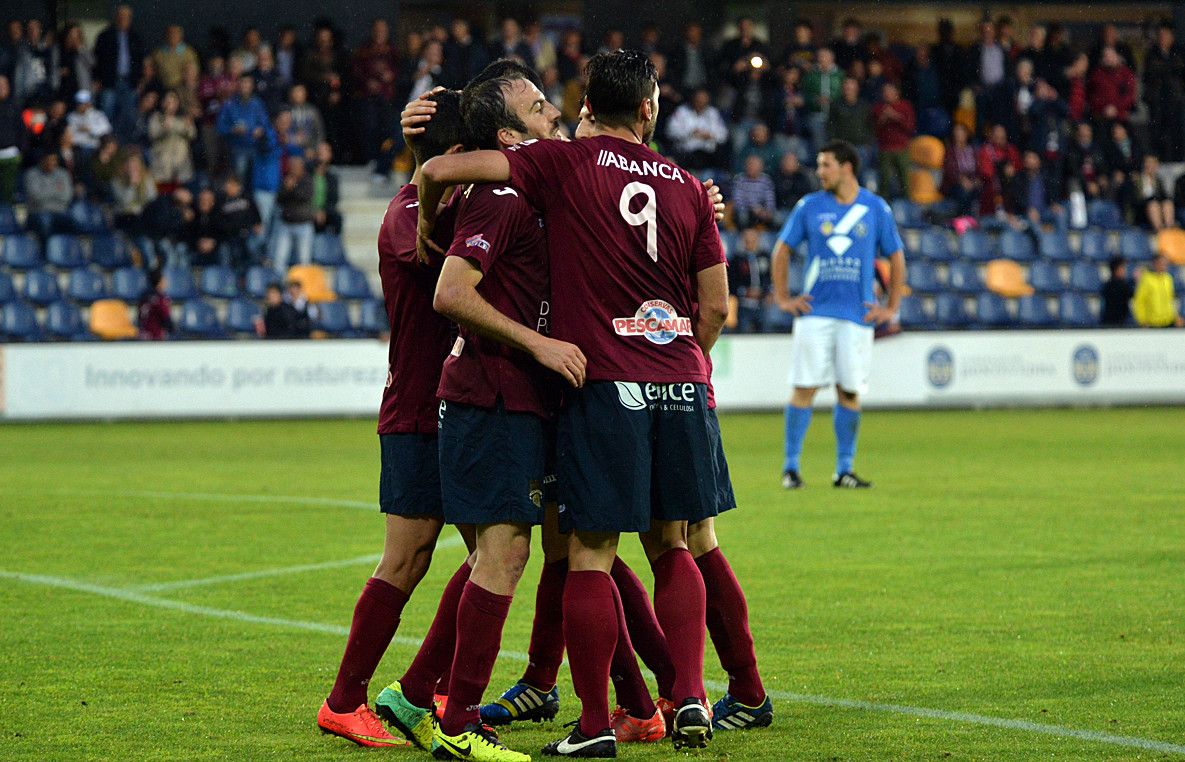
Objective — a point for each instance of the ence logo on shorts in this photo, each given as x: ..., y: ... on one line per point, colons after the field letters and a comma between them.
x: 656, y: 320
x: 635, y: 396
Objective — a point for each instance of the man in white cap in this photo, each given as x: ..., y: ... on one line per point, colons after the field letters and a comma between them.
x: 87, y: 124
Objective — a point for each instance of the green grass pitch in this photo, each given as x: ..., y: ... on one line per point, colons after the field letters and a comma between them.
x: 1020, y: 566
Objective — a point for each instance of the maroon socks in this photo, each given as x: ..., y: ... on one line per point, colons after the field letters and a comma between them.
x: 480, y: 618
x: 547, y: 631
x: 728, y: 624
x: 591, y: 636
x: 436, y: 653
x: 633, y: 694
x: 679, y: 603
x: 376, y: 617
x: 649, y: 642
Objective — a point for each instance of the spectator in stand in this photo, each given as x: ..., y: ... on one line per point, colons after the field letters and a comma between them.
x: 749, y: 103
x: 895, y: 124
x: 171, y: 57
x: 326, y: 217
x: 544, y: 53
x: 266, y: 172
x: 10, y: 48
x: 753, y: 201
x: 293, y: 228
x: 49, y: 189
x: 171, y: 132
x: 203, y: 233
x: 131, y: 191
x: 464, y: 56
x: 147, y: 106
x: 308, y: 130
x: 1154, y: 304
x: 759, y: 144
x: 150, y: 81
x: 269, y: 85
x: 570, y: 57
x: 12, y: 141
x: 306, y: 312
x: 849, y: 46
x: 247, y: 53
x: 821, y: 87
x: 104, y: 168
x: 242, y: 122
x: 737, y: 55
x: 1164, y: 92
x: 1117, y: 295
x: 1112, y: 89
x: 800, y: 53
x: 1043, y: 63
x: 70, y: 158
x: 850, y: 119
x: 692, y: 64
x: 154, y: 313
x: 1035, y: 195
x: 215, y: 87
x: 1006, y: 36
x: 923, y: 81
x: 1109, y: 38
x: 960, y: 174
x: 785, y: 105
x: 948, y: 62
x: 553, y: 89
x: 989, y: 77
x: 48, y: 139
x: 287, y: 54
x: 875, y: 79
x: 1048, y: 122
x: 242, y: 231
x: 375, y: 71
x: 1151, y: 203
x: 37, y: 65
x: 75, y: 62
x: 750, y: 281
x: 1086, y: 166
x: 998, y: 162
x: 164, y: 224
x: 1123, y: 159
x: 119, y: 58
x: 425, y: 75
x: 698, y: 133
x: 791, y: 182
x: 280, y: 319
x: 322, y: 71
x: 510, y: 44
x: 614, y: 40
x: 1024, y: 94
x: 189, y: 104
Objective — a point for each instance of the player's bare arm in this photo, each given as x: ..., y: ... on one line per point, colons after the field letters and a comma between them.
x: 799, y: 305
x: 457, y: 299
x: 878, y: 313
x: 712, y: 296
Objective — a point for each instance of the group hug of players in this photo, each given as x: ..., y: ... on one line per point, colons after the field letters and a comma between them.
x: 552, y: 307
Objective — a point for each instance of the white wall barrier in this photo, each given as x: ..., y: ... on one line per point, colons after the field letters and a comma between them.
x: 313, y: 378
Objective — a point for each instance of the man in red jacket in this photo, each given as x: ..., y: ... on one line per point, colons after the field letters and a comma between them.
x: 1112, y: 88
x: 894, y: 122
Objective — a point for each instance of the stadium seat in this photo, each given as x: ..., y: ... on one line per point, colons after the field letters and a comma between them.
x: 21, y: 252
x: 179, y: 284
x: 1084, y: 277
x: 129, y: 284
x: 992, y: 311
x: 312, y: 279
x: 351, y: 283
x: 1171, y: 243
x: 1006, y: 278
x: 922, y: 278
x: 110, y: 252
x: 8, y: 223
x: 87, y: 218
x: 934, y: 245
x: 1033, y: 312
x: 7, y: 290
x: 240, y: 316
x: 328, y: 250
x: 334, y: 319
x: 963, y: 278
x: 109, y: 320
x: 258, y: 279
x: 219, y: 282
x: 976, y: 246
x: 41, y: 287
x: 949, y: 311
x: 372, y: 320
x: 1134, y: 245
x: 1096, y: 246
x: 64, y: 321
x: 86, y: 286
x: 927, y: 152
x: 200, y: 321
x: 1104, y: 214
x: 1054, y: 246
x: 1017, y: 246
x: 913, y: 313
x: 907, y: 214
x: 18, y: 322
x: 1074, y: 311
x: 1046, y: 278
x: 64, y: 252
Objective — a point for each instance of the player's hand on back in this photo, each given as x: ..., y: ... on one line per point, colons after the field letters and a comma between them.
x: 562, y: 357
x: 716, y: 197
x: 426, y: 249
x: 877, y: 314
x: 796, y: 305
x: 418, y: 113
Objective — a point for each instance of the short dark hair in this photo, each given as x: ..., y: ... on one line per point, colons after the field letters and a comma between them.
x: 506, y: 68
x: 484, y: 112
x: 443, y: 131
x: 844, y: 153
x: 1116, y: 263
x: 617, y: 82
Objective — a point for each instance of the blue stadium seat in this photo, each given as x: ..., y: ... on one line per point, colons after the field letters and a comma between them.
x: 1074, y: 311
x: 1096, y: 246
x: 1033, y: 312
x: 7, y: 290
x: 935, y: 245
x: 1104, y: 214
x: 333, y: 318
x: 21, y: 252
x: 1046, y: 278
x: 976, y: 246
x: 1134, y: 245
x: 1054, y: 246
x: 179, y: 284
x: 923, y: 278
x: 110, y: 252
x: 129, y: 284
x: 8, y: 223
x: 86, y: 286
x: 351, y: 283
x: 64, y: 321
x: 907, y: 214
x: 767, y: 240
x: 41, y: 287
x: 963, y: 278
x: 372, y: 321
x: 87, y: 218
x: 949, y: 311
x: 219, y: 282
x: 328, y: 250
x: 200, y: 321
x: 64, y: 252
x: 258, y: 279
x: 18, y: 322
x: 240, y: 316
x: 913, y: 313
x: 1017, y: 246
x: 1084, y: 276
x: 991, y: 310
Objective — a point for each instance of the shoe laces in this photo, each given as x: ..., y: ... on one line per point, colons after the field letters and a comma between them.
x: 371, y: 720
x: 487, y: 734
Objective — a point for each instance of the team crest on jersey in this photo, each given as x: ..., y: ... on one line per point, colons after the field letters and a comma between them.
x: 477, y: 242
x: 656, y: 320
x: 826, y: 227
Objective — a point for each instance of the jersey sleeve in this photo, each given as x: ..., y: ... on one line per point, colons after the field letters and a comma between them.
x: 487, y: 224
x: 538, y: 168
x: 709, y: 251
x: 795, y: 228
x: 890, y: 238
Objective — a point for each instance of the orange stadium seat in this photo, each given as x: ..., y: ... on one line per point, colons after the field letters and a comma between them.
x: 734, y: 308
x: 313, y: 280
x: 927, y: 152
x: 1171, y: 243
x: 923, y: 189
x: 109, y: 320
x: 1006, y: 278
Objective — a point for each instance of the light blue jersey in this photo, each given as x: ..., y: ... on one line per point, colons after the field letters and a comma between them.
x: 842, y: 243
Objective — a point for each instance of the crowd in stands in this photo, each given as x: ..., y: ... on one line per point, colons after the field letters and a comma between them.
x: 220, y: 156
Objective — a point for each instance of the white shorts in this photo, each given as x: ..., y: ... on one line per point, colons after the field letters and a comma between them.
x: 831, y: 351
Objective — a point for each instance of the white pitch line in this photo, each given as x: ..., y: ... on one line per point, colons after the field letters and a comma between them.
x: 867, y: 706
x: 223, y: 497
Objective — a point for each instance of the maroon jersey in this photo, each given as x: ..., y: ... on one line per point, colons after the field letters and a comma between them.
x: 499, y: 232
x: 420, y: 338
x: 627, y: 232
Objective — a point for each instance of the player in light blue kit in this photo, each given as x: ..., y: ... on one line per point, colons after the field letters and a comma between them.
x: 844, y: 226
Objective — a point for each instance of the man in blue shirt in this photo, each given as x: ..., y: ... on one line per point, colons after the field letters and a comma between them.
x: 844, y: 227
x: 241, y: 123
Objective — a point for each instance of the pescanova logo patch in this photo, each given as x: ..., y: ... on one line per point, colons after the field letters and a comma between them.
x: 656, y: 320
